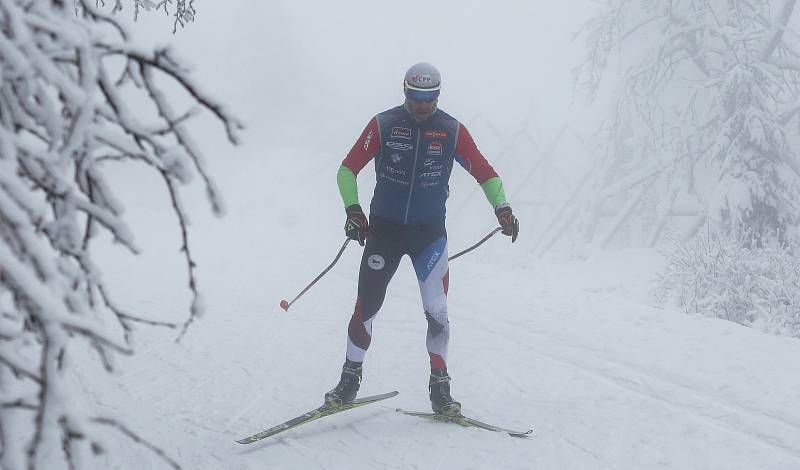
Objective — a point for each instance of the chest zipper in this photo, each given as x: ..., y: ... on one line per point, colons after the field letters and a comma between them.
x: 413, y: 178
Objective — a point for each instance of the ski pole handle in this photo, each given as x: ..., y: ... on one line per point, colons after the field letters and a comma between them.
x: 285, y: 305
x: 463, y: 252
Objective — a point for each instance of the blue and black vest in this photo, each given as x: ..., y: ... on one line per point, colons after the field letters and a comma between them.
x: 413, y: 166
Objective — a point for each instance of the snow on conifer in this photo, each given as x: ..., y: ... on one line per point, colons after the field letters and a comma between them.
x: 704, y: 118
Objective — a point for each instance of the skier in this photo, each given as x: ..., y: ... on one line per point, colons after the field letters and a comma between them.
x: 414, y: 146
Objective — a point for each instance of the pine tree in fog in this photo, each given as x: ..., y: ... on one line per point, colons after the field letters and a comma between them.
x: 68, y: 74
x: 705, y: 120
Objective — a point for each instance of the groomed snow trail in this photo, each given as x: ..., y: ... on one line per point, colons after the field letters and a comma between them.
x: 571, y: 347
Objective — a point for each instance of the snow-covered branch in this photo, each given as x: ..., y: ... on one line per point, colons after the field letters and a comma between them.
x: 62, y: 120
x: 184, y: 11
x: 774, y: 36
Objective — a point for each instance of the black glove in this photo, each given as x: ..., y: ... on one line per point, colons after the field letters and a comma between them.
x: 508, y: 222
x: 356, y: 225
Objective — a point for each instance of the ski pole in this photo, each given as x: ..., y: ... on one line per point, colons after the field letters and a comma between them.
x: 491, y: 234
x: 285, y: 305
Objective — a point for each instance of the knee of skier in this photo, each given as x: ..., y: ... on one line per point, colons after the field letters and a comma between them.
x: 437, y: 321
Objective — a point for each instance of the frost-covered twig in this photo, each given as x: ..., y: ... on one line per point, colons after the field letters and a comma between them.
x: 184, y: 9
x: 138, y: 439
x: 197, y: 303
x: 775, y: 35
x: 62, y: 119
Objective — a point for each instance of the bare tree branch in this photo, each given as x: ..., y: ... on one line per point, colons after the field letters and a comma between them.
x: 139, y: 440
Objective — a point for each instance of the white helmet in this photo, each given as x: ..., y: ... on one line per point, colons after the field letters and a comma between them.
x: 422, y: 82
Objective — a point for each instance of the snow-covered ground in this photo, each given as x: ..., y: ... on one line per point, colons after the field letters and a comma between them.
x: 570, y: 347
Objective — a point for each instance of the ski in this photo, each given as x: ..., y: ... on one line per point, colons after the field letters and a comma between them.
x: 465, y: 421
x: 314, y: 415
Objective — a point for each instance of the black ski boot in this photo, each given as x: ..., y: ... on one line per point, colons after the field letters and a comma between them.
x: 439, y: 388
x: 345, y: 392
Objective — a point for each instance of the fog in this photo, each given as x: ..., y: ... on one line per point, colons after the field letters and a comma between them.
x: 311, y: 74
x: 559, y: 332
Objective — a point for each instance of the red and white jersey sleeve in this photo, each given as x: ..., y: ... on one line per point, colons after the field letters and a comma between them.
x: 471, y: 158
x: 365, y: 148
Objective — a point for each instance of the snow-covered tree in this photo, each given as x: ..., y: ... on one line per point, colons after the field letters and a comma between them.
x: 68, y: 77
x: 734, y: 278
x: 705, y: 118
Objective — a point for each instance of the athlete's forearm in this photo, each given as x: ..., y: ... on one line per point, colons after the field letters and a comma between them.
x: 493, y: 189
x: 348, y: 188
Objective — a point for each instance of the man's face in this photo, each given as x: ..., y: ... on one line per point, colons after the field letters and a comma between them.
x: 421, y: 110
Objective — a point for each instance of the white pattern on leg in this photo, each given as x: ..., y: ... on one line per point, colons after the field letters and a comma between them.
x: 434, y: 301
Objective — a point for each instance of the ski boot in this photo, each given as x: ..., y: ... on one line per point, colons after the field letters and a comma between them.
x: 345, y: 392
x: 439, y: 388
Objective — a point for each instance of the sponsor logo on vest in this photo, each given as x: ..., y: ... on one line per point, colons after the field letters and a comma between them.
x: 386, y: 177
x: 435, y: 134
x: 376, y: 262
x: 401, y: 132
x: 399, y: 146
x: 435, y: 149
x: 368, y: 140
x: 433, y: 164
x: 396, y: 157
x: 430, y: 174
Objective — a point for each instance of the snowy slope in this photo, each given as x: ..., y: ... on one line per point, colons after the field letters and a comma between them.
x: 570, y: 347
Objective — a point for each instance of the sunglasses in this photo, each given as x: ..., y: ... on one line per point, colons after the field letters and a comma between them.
x: 422, y: 95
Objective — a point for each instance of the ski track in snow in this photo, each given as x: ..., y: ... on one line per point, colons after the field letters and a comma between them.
x: 755, y: 426
x: 763, y: 428
x: 605, y: 380
x: 196, y: 392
